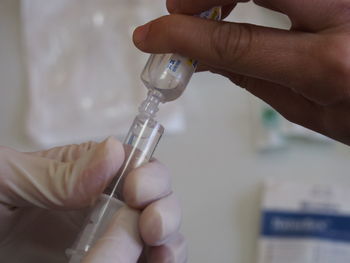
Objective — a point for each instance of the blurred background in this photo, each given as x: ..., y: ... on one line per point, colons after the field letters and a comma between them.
x: 69, y: 73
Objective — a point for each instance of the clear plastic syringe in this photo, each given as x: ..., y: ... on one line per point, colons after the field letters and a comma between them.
x: 166, y: 77
x: 140, y: 144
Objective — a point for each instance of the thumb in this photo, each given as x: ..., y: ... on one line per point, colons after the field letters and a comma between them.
x: 121, y: 243
x: 33, y: 180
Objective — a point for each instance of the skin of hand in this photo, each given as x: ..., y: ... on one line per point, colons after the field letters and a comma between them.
x: 304, y: 72
x: 43, y: 195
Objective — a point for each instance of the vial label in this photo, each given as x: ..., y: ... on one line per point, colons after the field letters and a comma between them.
x: 178, y: 64
x: 214, y: 13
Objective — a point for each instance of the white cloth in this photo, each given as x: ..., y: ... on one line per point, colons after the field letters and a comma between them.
x: 83, y: 70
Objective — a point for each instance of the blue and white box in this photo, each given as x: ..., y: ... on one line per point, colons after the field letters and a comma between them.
x: 305, y: 223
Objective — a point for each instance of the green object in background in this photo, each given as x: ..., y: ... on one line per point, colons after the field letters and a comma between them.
x: 270, y: 117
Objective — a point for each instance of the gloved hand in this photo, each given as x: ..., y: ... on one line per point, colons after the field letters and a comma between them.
x: 42, y: 195
x: 304, y: 72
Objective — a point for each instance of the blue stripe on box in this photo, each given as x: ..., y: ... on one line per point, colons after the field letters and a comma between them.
x: 305, y: 225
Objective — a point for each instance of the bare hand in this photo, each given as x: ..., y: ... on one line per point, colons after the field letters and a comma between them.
x: 304, y: 72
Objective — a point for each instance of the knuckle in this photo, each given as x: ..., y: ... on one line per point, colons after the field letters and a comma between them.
x: 341, y: 61
x: 292, y: 117
x: 334, y: 124
x: 241, y: 81
x: 230, y: 42
x: 337, y: 63
x: 258, y: 2
x: 311, y: 117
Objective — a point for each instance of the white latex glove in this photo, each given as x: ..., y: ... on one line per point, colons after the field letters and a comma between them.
x: 42, y: 193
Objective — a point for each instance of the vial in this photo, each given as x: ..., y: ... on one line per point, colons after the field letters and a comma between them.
x: 169, y: 74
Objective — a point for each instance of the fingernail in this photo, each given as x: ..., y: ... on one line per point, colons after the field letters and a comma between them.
x: 140, y: 33
x: 172, y: 5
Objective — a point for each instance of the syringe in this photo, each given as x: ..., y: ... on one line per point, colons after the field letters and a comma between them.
x: 166, y: 76
x: 140, y: 143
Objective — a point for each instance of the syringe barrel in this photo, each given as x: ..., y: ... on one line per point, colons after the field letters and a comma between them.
x: 140, y: 143
x: 93, y: 228
x: 170, y: 73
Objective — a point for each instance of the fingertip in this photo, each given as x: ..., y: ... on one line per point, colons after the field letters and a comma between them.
x: 151, y: 227
x: 176, y: 33
x: 107, y: 158
x: 140, y: 35
x: 160, y: 221
x: 157, y: 35
x: 99, y: 166
x: 147, y: 184
x: 171, y: 6
x: 114, y: 152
